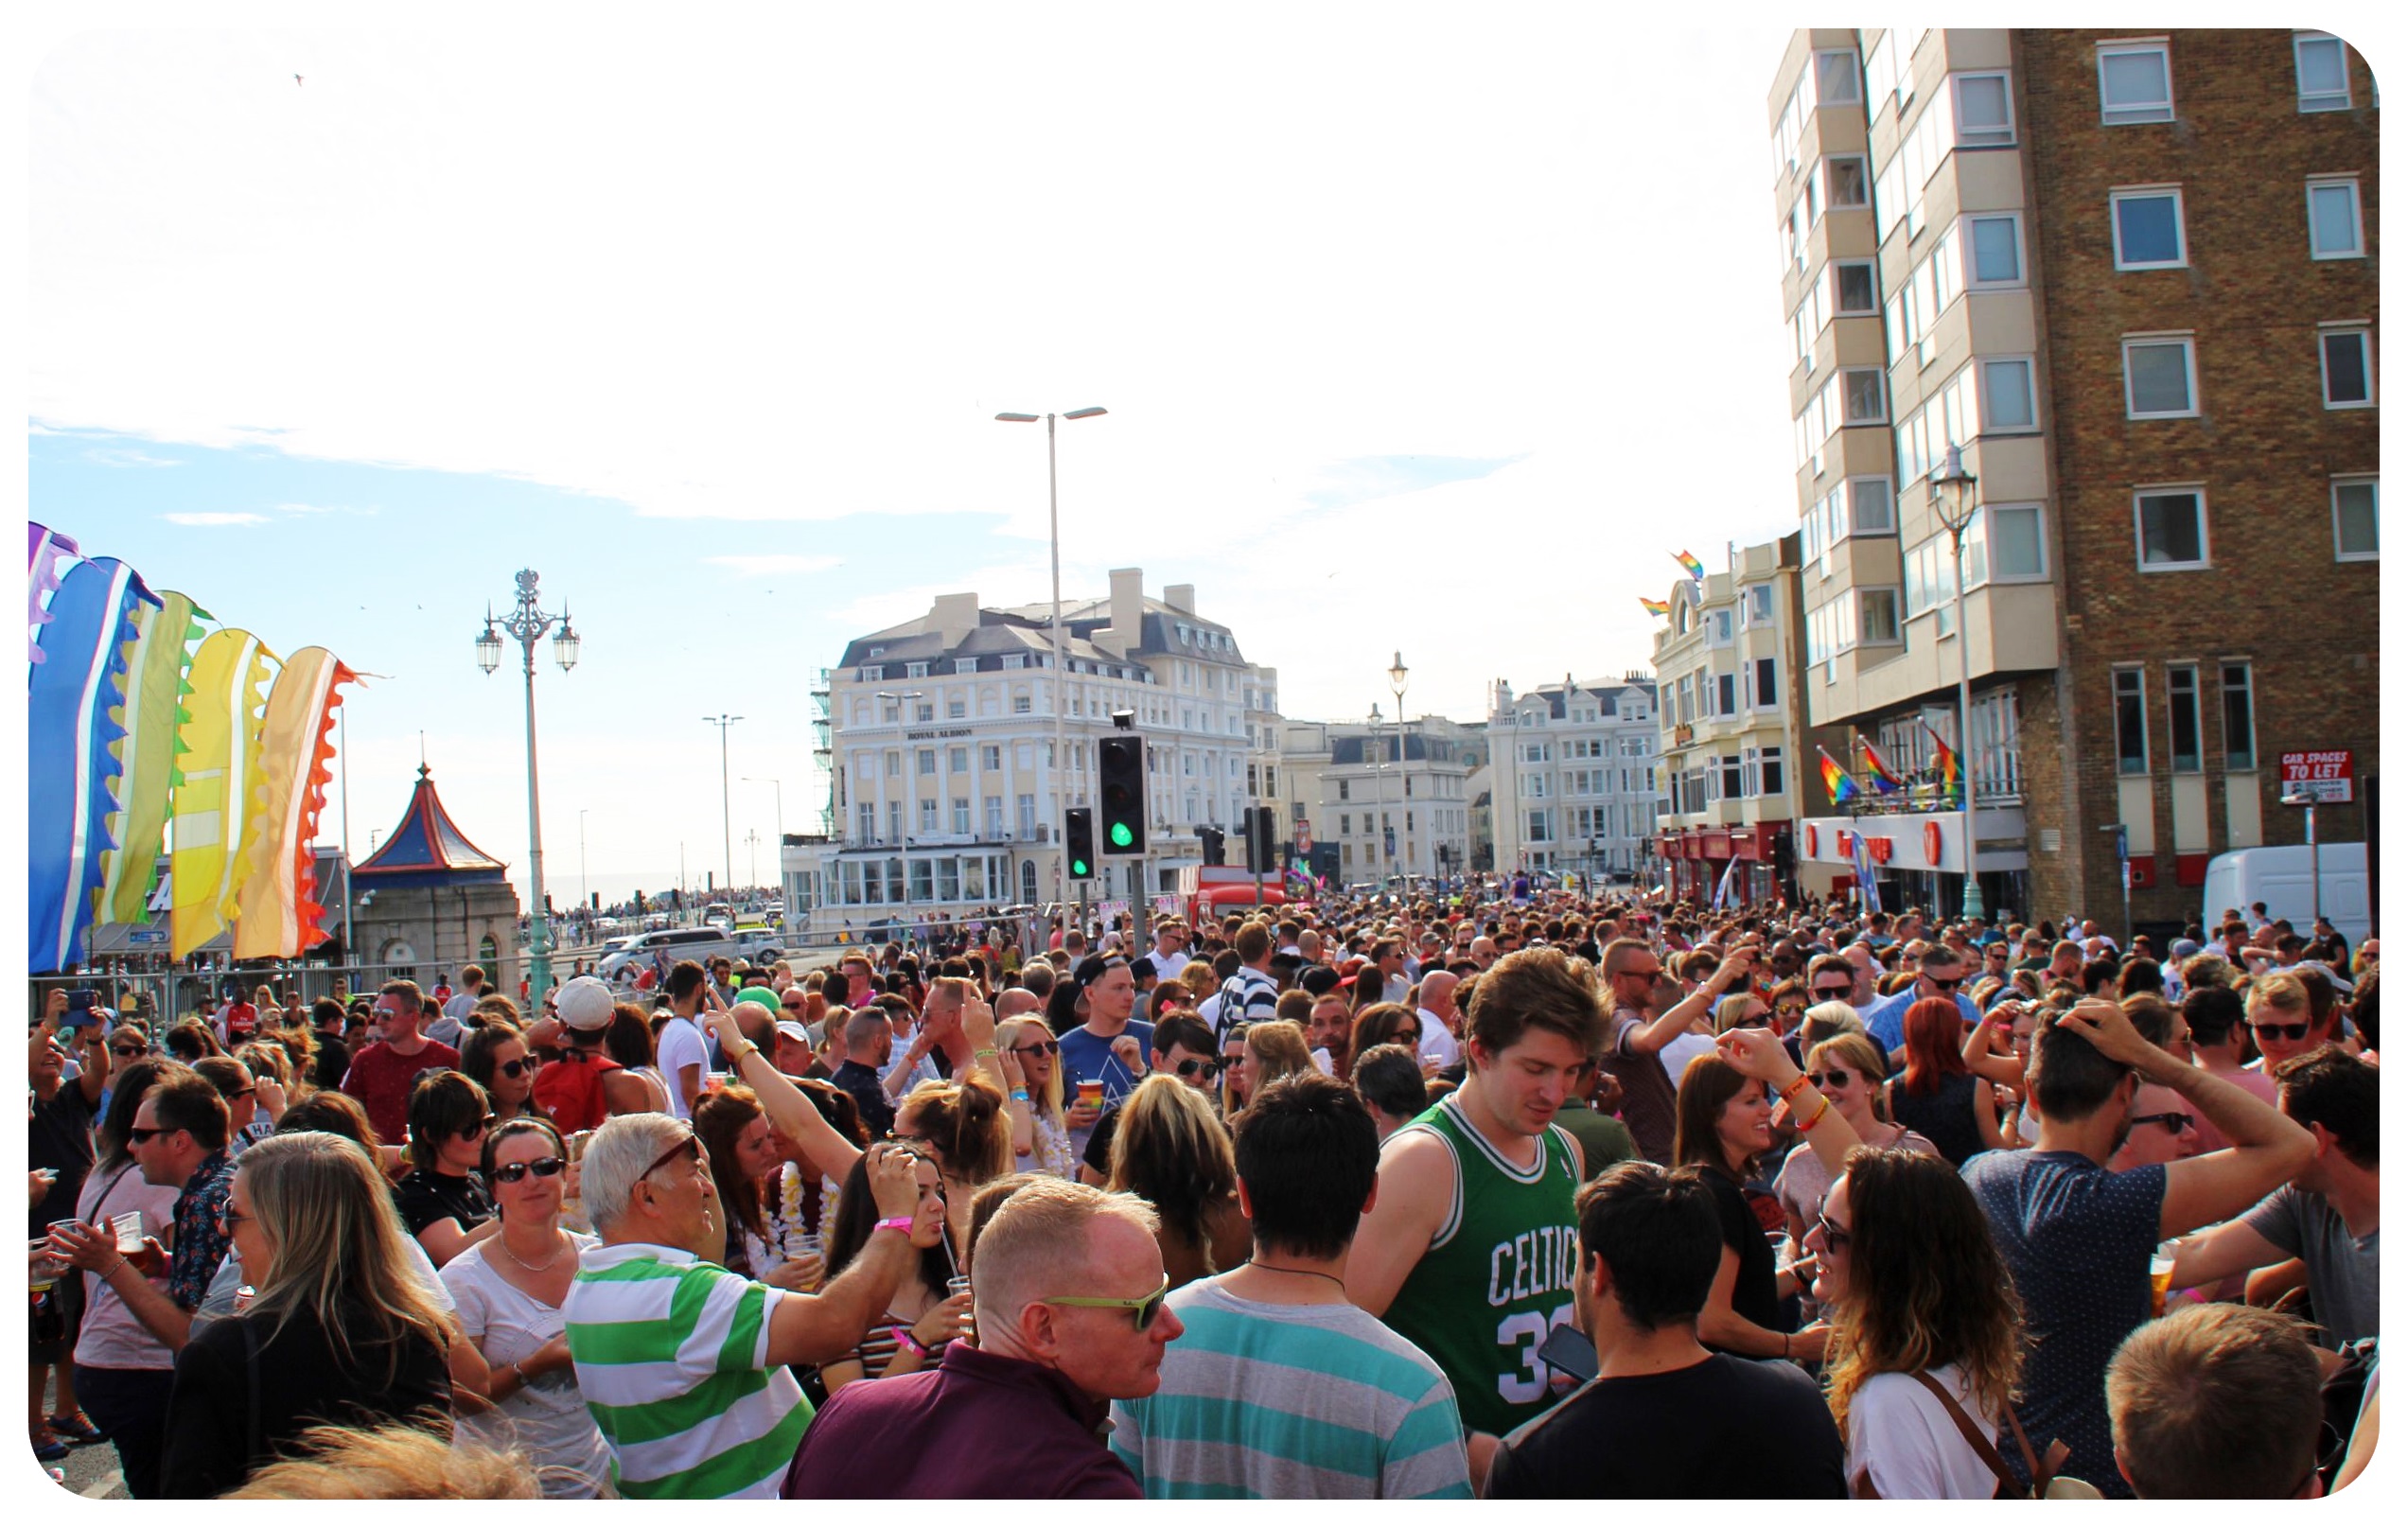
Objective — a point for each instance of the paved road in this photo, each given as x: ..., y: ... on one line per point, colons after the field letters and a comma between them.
x: 90, y: 1470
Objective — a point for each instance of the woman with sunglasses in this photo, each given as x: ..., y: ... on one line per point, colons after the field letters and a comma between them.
x: 1233, y: 1052
x: 1391, y: 1024
x: 964, y: 1129
x: 922, y: 1317
x: 1939, y: 1095
x: 744, y: 1158
x: 507, y: 1290
x: 1848, y: 1071
x: 495, y: 1057
x: 1926, y: 1334
x: 338, y: 1330
x: 442, y: 1201
x: 1031, y: 1061
x: 1172, y: 1151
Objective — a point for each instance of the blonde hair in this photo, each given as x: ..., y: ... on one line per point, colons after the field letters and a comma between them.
x: 1732, y: 1012
x: 399, y: 1462
x: 337, y: 1247
x: 1037, y: 1245
x: 1046, y: 1101
x: 1278, y: 1049
x: 1171, y: 1150
x: 2279, y: 991
x: 1826, y: 1020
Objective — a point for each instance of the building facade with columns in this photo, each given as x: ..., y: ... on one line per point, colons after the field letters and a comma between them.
x: 1374, y: 801
x: 948, y: 792
x: 1575, y: 787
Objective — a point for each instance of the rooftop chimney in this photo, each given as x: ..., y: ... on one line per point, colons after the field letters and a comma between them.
x: 1180, y: 597
x: 1128, y: 611
x: 954, y: 616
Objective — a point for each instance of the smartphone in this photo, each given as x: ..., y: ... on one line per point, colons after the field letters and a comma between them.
x: 82, y: 1000
x: 1567, y: 1351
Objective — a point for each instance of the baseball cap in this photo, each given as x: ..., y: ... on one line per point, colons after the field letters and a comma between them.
x: 794, y: 1031
x: 586, y: 1004
x: 762, y: 996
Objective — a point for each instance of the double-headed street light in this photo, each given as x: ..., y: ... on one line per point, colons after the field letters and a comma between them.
x: 1398, y: 673
x: 527, y: 621
x: 1955, y: 509
x: 899, y: 696
x: 726, y: 831
x: 1060, y: 662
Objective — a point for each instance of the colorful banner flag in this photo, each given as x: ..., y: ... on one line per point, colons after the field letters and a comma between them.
x: 1836, y: 782
x: 72, y: 773
x: 1867, y: 892
x: 1656, y: 607
x: 1695, y: 570
x: 221, y: 785
x: 277, y: 915
x: 1723, y: 893
x: 154, y: 690
x: 1943, y: 759
x: 1886, y: 781
x: 43, y: 547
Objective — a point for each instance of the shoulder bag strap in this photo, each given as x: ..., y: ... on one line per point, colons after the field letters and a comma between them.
x: 2043, y: 1469
x: 1981, y: 1445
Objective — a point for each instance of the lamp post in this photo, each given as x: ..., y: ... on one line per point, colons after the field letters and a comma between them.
x: 777, y: 796
x: 726, y: 832
x: 899, y: 696
x: 2315, y: 854
x: 1398, y: 675
x: 1060, y: 663
x: 585, y: 885
x: 1955, y: 510
x: 527, y: 621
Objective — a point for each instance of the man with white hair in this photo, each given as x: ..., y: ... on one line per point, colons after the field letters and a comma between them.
x: 682, y: 1362
x: 1439, y: 1019
x: 1069, y: 1296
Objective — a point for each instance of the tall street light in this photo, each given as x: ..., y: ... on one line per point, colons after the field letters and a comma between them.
x: 1060, y: 659
x: 1955, y: 509
x: 911, y: 804
x: 585, y: 885
x: 727, y: 833
x: 1397, y: 677
x: 779, y: 797
x: 527, y: 621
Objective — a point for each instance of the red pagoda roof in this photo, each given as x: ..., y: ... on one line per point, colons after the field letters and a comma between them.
x: 428, y: 843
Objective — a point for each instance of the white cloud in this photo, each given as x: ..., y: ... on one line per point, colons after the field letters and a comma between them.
x: 767, y: 563
x: 189, y: 517
x: 299, y: 510
x: 127, y: 457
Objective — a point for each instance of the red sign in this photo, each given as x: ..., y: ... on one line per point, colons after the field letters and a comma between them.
x: 1304, y: 837
x: 1879, y: 849
x: 2322, y: 777
x: 1931, y: 842
x: 1812, y: 842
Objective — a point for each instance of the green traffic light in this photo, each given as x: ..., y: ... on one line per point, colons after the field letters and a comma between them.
x: 1121, y: 835
x: 1078, y: 869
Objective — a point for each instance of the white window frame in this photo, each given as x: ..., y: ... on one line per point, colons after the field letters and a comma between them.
x: 1854, y: 74
x: 1982, y: 137
x: 2351, y: 481
x: 1872, y: 274
x: 2120, y: 117
x: 1881, y: 381
x: 2031, y: 394
x: 1830, y: 201
x: 2198, y: 721
x: 1897, y: 614
x: 1852, y: 523
x: 2322, y: 100
x: 1989, y: 543
x: 2117, y: 196
x: 2198, y: 493
x: 1971, y: 281
x: 2364, y: 334
x: 2189, y: 372
x: 2357, y: 218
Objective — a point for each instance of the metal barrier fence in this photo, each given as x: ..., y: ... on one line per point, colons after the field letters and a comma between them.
x: 161, y: 996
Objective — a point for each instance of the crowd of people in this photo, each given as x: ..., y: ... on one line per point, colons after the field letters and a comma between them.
x: 1372, y: 1199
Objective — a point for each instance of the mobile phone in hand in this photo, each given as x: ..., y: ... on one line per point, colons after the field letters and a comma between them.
x: 1567, y: 1351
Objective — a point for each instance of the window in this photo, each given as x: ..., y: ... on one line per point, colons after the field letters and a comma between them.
x: 2006, y: 544
x: 1014, y: 660
x: 2182, y: 714
x: 2333, y: 218
x: 2132, y: 723
x: 927, y: 714
x: 965, y: 665
x: 872, y: 673
x: 2350, y: 368
x: 927, y: 760
x: 2135, y: 85
x: 1769, y: 772
x: 2324, y: 72
x: 2148, y: 228
x: 2355, y: 519
x: 2241, y: 731
x: 2160, y: 377
x: 1733, y: 785
x: 1768, y: 683
x: 1835, y: 81
x: 2006, y: 400
x: 961, y: 814
x: 1866, y: 399
x: 991, y: 756
x: 958, y: 760
x: 1346, y: 823
x: 1341, y: 790
x: 1726, y: 694
x: 1993, y: 248
x: 1985, y: 110
x: 1872, y: 509
x: 894, y: 764
x: 1020, y: 703
x: 1845, y: 182
x: 915, y: 671
x: 928, y: 816
x: 1851, y: 287
x: 1877, y: 615
x: 1722, y: 628
x: 1760, y: 596
x: 2171, y: 526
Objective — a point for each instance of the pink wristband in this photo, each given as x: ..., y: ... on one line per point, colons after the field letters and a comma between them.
x: 899, y: 1223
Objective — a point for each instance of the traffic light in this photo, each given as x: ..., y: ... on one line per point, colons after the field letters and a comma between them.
x: 1261, y: 857
x: 1120, y: 764
x: 1214, y: 840
x: 1078, y: 841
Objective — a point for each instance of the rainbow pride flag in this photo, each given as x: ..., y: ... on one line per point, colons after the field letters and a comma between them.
x: 1656, y: 607
x: 1886, y: 781
x: 1695, y: 570
x: 1943, y: 759
x: 1835, y: 781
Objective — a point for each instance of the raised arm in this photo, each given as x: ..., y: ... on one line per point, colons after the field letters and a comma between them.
x: 790, y: 1113
x: 1674, y: 1021
x: 1759, y: 1054
x: 818, y: 1328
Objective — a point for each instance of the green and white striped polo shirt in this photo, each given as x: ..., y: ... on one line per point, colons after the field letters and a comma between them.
x: 672, y: 1357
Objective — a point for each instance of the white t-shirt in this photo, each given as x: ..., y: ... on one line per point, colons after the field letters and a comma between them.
x: 114, y: 1337
x: 681, y: 1046
x: 1438, y: 1042
x: 1900, y: 1433
x: 1680, y: 1050
x: 547, y: 1416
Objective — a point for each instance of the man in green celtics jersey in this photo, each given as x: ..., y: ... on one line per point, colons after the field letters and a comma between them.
x: 1471, y: 1248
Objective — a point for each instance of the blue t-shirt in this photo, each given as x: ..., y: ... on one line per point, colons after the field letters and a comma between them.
x: 1886, y: 1021
x: 2076, y: 1239
x: 1086, y: 1058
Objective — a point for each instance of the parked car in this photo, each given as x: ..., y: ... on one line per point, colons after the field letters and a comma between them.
x: 679, y: 943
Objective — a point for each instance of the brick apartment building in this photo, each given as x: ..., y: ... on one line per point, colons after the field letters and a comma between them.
x: 2132, y: 278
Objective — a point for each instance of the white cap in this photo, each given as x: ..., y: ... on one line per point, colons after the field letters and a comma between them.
x: 586, y: 1004
x: 794, y: 1031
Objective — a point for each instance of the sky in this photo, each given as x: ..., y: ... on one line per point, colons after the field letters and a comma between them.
x: 1417, y: 336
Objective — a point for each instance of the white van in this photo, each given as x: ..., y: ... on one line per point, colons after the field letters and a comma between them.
x: 2279, y: 877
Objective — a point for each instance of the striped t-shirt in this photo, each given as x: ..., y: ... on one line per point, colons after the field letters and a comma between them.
x: 672, y: 1356
x: 1290, y: 1401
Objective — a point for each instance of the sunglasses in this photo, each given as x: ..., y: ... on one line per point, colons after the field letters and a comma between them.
x: 1039, y: 1047
x: 1834, y: 1236
x: 1791, y: 1009
x: 1142, y: 1310
x: 228, y: 1219
x: 543, y: 1167
x: 2286, y: 1031
x: 138, y: 1134
x: 1649, y: 975
x: 1832, y: 1080
x: 795, y: 1007
x: 126, y: 1051
x: 471, y: 1130
x: 687, y: 1144
x: 1189, y: 1067
x: 2175, y: 1120
x: 1828, y: 994
x: 1946, y: 984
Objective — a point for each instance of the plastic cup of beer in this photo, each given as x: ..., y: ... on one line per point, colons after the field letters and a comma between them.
x: 2161, y: 1276
x: 129, y: 1229
x: 1091, y: 1094
x: 45, y: 1265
